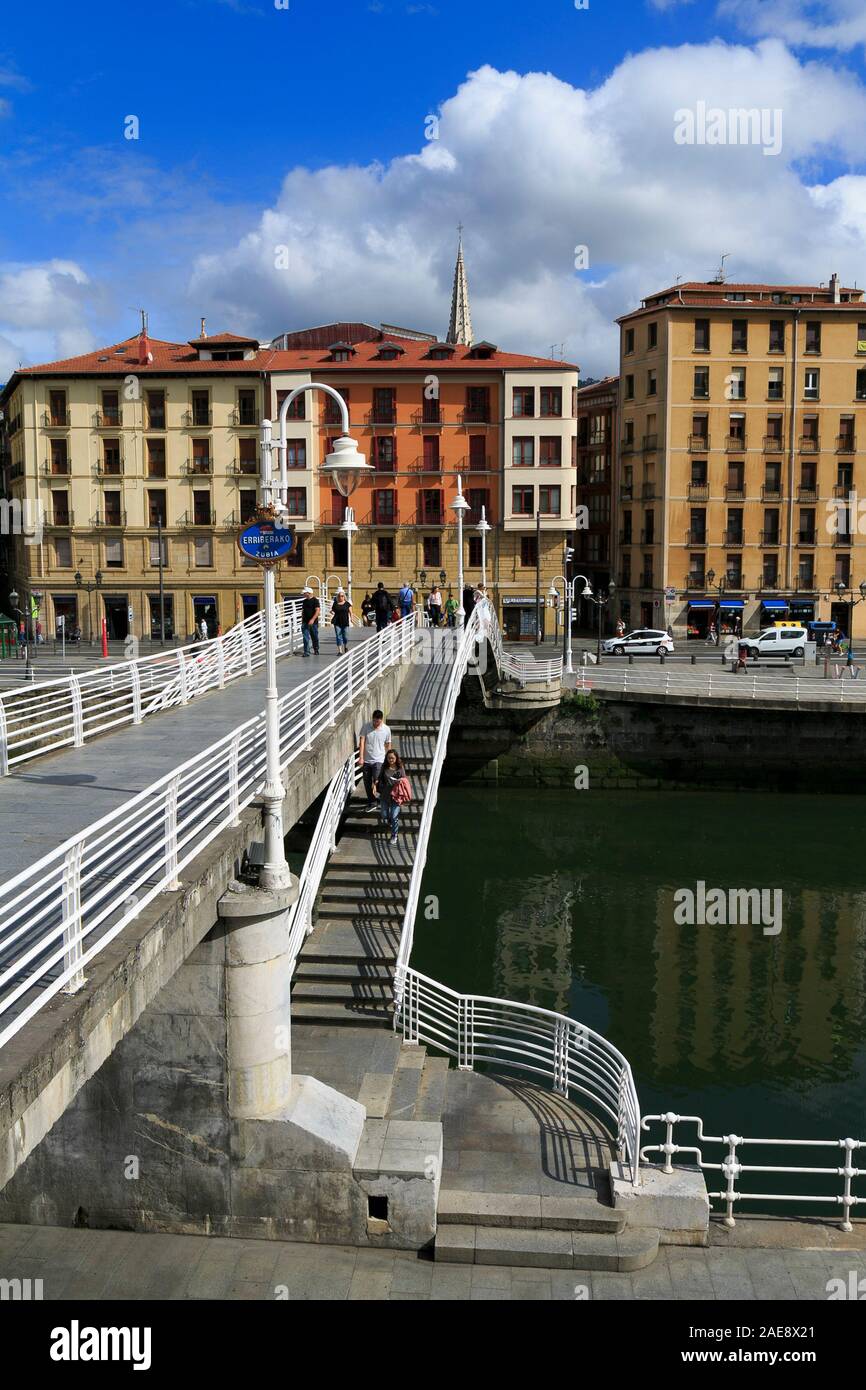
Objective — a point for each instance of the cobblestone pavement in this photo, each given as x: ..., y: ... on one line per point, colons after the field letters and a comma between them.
x: 81, y: 1264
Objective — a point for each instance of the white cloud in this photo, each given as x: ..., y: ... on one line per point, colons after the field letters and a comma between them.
x: 803, y: 23
x: 45, y: 313
x: 533, y: 167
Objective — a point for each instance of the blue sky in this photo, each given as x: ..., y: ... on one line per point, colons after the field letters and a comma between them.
x: 305, y: 127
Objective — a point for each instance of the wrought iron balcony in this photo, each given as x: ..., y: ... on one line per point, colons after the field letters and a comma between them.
x: 61, y: 519
x: 696, y: 538
x: 771, y: 494
x: 810, y: 444
x: 773, y: 444
x: 770, y: 538
x: 382, y: 415
x: 244, y: 417
x: 844, y: 538
x: 846, y: 443
x: 648, y: 490
x: 627, y: 446
x: 735, y: 443
x: 735, y: 492
x: 699, y: 443
x: 55, y: 420
x: 626, y: 490
x: 197, y: 519
x: 199, y: 466
x: 475, y: 415
x: 807, y: 494
x: 197, y: 419
x: 470, y: 463
x: 107, y: 420
x: 56, y: 468
x: 650, y: 443
x: 699, y: 492
x: 843, y: 489
x: 112, y: 520
x: 430, y: 415
x: 733, y: 538
x: 806, y: 537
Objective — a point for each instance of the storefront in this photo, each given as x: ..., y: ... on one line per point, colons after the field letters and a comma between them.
x: 65, y: 607
x: 205, y: 608
x: 801, y: 610
x: 772, y: 610
x: 155, y: 619
x: 701, y: 614
x: 519, y: 617
x: 730, y: 618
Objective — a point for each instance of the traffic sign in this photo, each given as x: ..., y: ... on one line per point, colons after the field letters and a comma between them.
x: 670, y: 595
x: 266, y: 542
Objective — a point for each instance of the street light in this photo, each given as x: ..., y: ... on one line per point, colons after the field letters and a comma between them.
x: 721, y: 586
x: 601, y: 601
x: 482, y: 528
x: 460, y: 505
x: 89, y: 586
x: 586, y: 592
x: 348, y: 528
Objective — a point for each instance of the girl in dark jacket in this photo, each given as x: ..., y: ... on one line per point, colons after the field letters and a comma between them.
x: 392, y: 772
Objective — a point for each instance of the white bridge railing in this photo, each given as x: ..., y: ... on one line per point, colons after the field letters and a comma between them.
x: 476, y: 1029
x: 572, y: 1058
x: 322, y: 846
x: 61, y: 912
x: 732, y: 1168
x: 65, y: 712
x: 721, y: 685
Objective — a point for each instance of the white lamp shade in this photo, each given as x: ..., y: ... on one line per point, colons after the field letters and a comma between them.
x: 460, y: 504
x: 346, y: 465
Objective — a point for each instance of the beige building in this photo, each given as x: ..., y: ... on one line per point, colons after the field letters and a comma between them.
x: 741, y: 407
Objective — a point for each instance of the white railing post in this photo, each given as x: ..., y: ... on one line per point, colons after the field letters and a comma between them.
x: 308, y: 719
x: 247, y: 648
x: 332, y: 681
x: 848, y: 1172
x: 77, y: 712
x: 465, y: 1031
x: 731, y: 1170
x: 234, y: 789
x: 170, y: 833
x: 4, y: 742
x: 561, y: 1035
x: 71, y: 917
x: 181, y: 663
x: 136, y: 692
x: 221, y: 662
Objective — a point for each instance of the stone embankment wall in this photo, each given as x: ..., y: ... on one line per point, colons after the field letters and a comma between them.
x: 631, y: 744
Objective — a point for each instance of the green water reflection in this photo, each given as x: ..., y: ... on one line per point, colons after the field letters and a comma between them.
x: 565, y: 900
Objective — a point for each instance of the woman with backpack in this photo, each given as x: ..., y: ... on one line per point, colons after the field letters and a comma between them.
x: 394, y: 791
x: 341, y: 617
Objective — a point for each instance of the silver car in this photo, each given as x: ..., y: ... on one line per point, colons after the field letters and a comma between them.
x: 644, y: 641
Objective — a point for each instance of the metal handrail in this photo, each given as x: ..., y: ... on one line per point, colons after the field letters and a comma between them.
x: 322, y: 846
x: 573, y: 1059
x: 804, y: 691
x: 731, y: 1168
x: 68, y: 710
x: 59, y: 913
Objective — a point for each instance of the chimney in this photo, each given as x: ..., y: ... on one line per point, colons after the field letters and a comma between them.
x: 834, y: 288
x: 203, y: 333
x: 144, y: 353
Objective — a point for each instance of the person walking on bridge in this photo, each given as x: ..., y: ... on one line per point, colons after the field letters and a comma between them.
x: 310, y: 610
x: 394, y: 791
x: 374, y: 744
x: 382, y: 605
x: 341, y: 617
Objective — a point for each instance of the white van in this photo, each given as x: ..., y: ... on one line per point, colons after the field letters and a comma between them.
x: 778, y: 641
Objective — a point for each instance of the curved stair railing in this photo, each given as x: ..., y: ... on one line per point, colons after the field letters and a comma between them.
x: 67, y: 711
x: 477, y: 1029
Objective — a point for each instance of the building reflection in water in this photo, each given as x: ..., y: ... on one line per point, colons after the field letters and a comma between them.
x: 532, y: 955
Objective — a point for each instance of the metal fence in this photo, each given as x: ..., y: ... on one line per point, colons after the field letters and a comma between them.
x: 733, y: 1169
x: 722, y: 685
x: 322, y: 846
x: 62, y: 911
x: 65, y: 712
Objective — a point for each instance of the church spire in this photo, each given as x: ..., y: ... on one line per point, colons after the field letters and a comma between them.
x: 460, y: 326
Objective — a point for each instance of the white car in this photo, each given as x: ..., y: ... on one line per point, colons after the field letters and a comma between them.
x: 778, y: 641
x: 644, y: 641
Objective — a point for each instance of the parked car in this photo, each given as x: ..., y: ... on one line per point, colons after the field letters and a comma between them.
x: 778, y: 641
x: 644, y: 641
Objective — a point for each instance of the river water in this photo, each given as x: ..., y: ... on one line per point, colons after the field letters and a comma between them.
x: 566, y: 900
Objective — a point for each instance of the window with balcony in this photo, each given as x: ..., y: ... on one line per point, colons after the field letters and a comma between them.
x: 697, y: 571
x: 247, y: 410
x: 110, y: 413
x: 113, y: 553
x: 809, y: 440
x: 551, y: 402
x: 702, y: 335
x: 156, y: 508
x: 649, y: 527
x: 700, y: 431
x: 776, y: 384
x: 384, y: 453
x: 202, y: 550
x: 861, y: 384
x: 201, y: 461
x: 523, y: 401
x: 111, y: 456
x: 737, y: 384
x: 739, y: 335
x: 200, y: 401
x: 384, y: 507
x: 431, y: 509
x: 734, y: 528
x: 522, y: 501
x: 807, y: 526
x: 296, y: 453
x: 296, y: 501
x: 808, y: 477
x: 477, y: 405
x: 777, y: 335
x: 812, y: 385
x: 384, y: 405
x: 523, y: 452
x: 734, y: 571
x: 813, y: 337
x: 155, y: 457
x: 431, y: 453
x: 698, y: 525
x: 770, y: 532
x: 385, y: 552
x: 331, y: 409
x: 59, y: 457
x: 111, y: 509
x: 846, y: 442
x: 701, y: 387
x: 844, y: 479
x: 806, y: 572
x: 770, y: 572
x: 698, y: 477
x: 626, y: 528
x: 155, y: 408
x: 736, y: 483
x: 478, y: 497
x: 773, y: 437
x: 57, y: 408
x: 201, y: 507
x: 550, y: 451
x: 248, y: 501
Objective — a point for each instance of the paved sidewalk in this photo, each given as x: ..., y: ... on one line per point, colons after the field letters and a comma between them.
x: 45, y: 801
x: 80, y: 1264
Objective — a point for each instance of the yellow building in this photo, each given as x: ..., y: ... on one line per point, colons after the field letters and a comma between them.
x: 741, y: 407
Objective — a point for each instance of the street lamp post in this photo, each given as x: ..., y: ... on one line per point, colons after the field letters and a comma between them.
x: 841, y: 590
x: 349, y: 527
x: 90, y: 586
x: 482, y: 528
x: 460, y: 505
x: 601, y: 601
x: 568, y: 592
x: 721, y: 586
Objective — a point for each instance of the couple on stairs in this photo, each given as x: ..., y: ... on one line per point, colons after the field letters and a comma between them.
x: 385, y: 778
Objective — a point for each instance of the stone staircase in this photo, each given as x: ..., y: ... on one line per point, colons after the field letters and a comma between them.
x: 344, y: 973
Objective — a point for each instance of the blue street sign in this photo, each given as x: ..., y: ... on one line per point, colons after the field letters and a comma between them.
x: 265, y: 541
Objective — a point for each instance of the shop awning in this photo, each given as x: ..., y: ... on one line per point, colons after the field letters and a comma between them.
x: 736, y: 603
x: 774, y: 605
x: 702, y: 603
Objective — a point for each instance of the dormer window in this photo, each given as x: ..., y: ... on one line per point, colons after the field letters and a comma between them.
x: 482, y: 350
x: 388, y: 351
x: 440, y: 352
x: 341, y: 352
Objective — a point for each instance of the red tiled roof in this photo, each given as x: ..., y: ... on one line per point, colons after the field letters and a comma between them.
x: 121, y: 359
x: 220, y: 338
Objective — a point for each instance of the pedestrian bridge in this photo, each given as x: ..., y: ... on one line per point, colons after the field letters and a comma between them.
x: 114, y: 874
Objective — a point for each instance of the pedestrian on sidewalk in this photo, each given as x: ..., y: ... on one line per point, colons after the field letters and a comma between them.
x: 435, y: 606
x: 407, y: 599
x: 367, y: 610
x: 382, y: 605
x: 341, y: 617
x: 22, y: 641
x: 742, y: 657
x: 310, y: 610
x: 394, y: 791
x: 375, y: 741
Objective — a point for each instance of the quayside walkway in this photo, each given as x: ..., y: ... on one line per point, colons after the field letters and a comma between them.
x: 45, y: 802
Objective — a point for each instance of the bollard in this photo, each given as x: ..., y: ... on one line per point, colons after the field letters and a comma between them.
x: 631, y: 658
x: 661, y: 658
x: 694, y: 659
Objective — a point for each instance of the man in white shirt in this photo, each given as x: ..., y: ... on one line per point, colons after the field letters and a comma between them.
x: 375, y: 742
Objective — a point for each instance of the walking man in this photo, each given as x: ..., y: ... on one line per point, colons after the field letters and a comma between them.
x: 374, y: 744
x: 382, y: 605
x: 310, y: 611
x: 407, y: 599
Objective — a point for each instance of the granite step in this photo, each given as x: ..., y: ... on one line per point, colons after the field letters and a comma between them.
x: 359, y: 970
x: 337, y: 1015
x: 524, y: 1212
x: 631, y: 1249
x: 349, y: 991
x: 431, y: 1092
